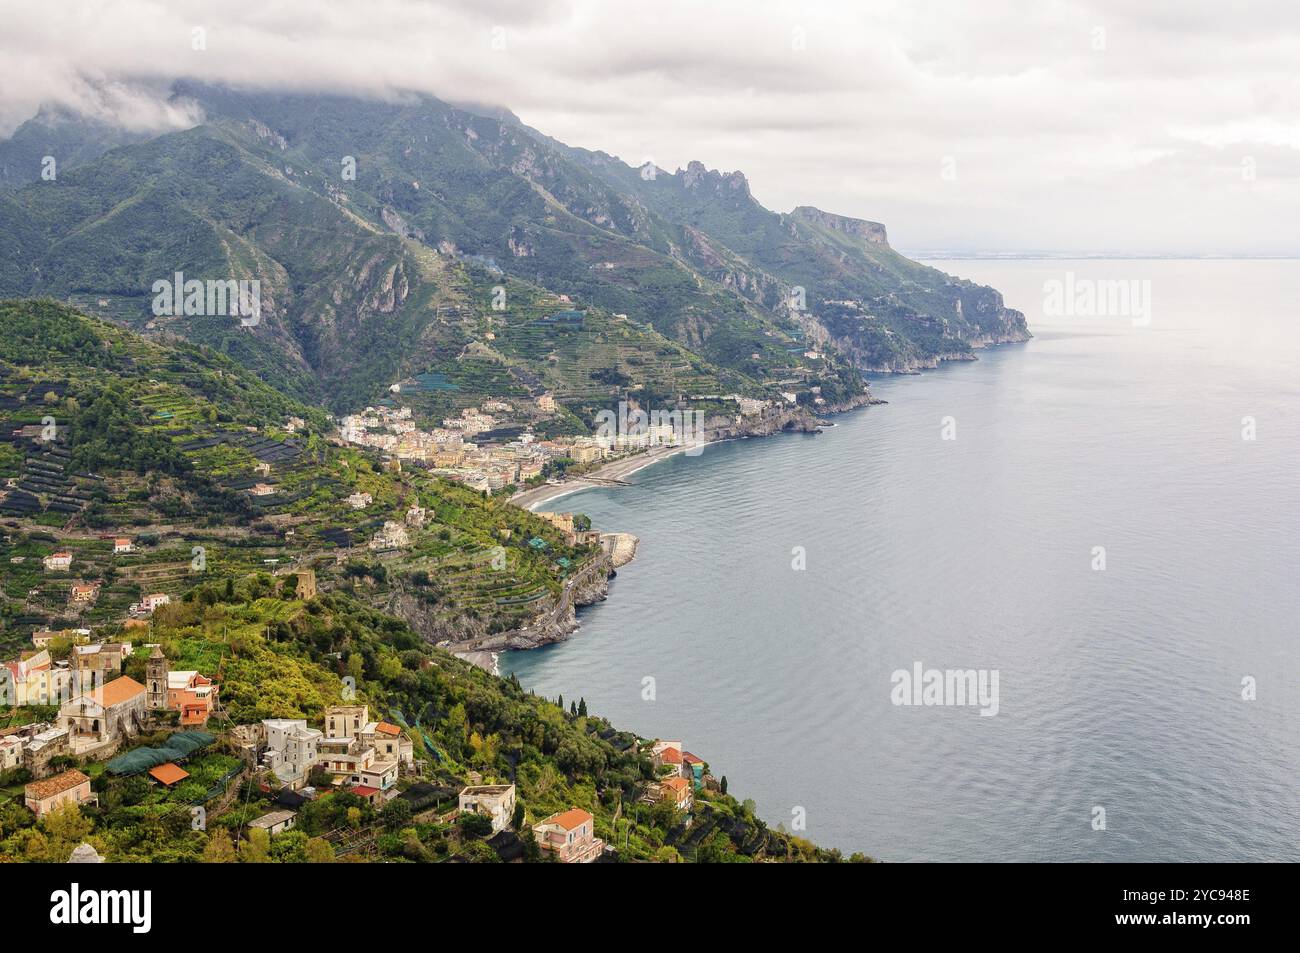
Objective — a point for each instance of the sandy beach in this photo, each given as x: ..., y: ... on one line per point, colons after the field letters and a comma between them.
x: 602, y: 476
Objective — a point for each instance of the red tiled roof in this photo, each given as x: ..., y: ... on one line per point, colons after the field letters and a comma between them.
x: 362, y: 790
x: 55, y: 785
x: 385, y: 728
x: 117, y: 691
x: 573, y: 818
x: 670, y: 756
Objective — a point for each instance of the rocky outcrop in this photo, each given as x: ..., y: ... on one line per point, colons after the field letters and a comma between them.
x: 775, y: 420
x: 873, y: 233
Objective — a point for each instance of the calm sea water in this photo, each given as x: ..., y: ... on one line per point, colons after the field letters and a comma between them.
x: 1119, y: 689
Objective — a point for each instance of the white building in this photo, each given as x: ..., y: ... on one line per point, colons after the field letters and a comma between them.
x: 292, y: 749
x: 494, y: 801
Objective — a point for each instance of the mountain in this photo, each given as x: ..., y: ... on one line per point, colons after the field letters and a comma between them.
x: 381, y: 231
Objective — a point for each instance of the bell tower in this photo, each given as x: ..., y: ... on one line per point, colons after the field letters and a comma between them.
x: 156, y: 670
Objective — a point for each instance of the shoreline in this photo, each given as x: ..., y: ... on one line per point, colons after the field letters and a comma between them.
x: 600, y: 478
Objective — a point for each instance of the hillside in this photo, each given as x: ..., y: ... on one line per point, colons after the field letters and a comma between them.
x: 110, y: 436
x: 276, y: 657
x: 167, y: 444
x: 380, y: 231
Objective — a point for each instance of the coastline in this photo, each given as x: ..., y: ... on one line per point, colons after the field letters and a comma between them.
x: 604, y: 475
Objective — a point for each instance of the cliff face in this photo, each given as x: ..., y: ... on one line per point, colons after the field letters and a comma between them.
x: 873, y: 233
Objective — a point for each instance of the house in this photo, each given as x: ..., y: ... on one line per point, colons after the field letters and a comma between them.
x: 43, y: 746
x: 122, y: 545
x: 345, y: 721
x: 678, y: 792
x: 81, y: 595
x: 103, y: 657
x: 670, y: 758
x: 546, y: 403
x: 569, y: 835
x: 35, y: 680
x: 494, y: 801
x: 42, y: 638
x: 392, y: 536
x: 349, y: 752
x: 11, y: 752
x: 168, y: 774
x: 104, y: 715
x: 389, y: 743
x: 291, y: 749
x: 193, y: 695
x: 366, y: 793
x: 58, y: 562
x: 70, y: 787
x: 359, y: 501
x: 149, y: 603
x: 693, y: 768
x: 261, y: 489
x: 275, y: 822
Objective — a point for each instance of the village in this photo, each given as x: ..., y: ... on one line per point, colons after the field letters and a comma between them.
x: 488, y: 452
x: 94, y: 716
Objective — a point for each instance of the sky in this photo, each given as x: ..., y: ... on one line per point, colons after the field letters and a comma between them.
x: 1109, y: 126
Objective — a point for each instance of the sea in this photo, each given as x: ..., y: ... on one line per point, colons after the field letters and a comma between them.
x: 1099, y: 528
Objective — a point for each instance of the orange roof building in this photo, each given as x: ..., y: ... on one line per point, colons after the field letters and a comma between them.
x: 168, y: 774
x: 103, y: 715
x: 570, y: 836
x: 677, y: 791
x: 70, y: 787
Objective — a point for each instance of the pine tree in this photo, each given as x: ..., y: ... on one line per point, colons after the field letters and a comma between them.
x: 723, y: 785
x: 582, y: 707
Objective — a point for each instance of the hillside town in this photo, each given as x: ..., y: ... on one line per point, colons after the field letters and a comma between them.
x: 492, y: 446
x: 95, y: 719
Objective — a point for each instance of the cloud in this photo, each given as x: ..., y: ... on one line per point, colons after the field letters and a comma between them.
x: 1071, y: 125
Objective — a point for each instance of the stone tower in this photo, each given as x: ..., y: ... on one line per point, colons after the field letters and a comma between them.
x: 156, y: 680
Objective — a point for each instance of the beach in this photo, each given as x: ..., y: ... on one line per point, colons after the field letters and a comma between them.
x: 610, y: 473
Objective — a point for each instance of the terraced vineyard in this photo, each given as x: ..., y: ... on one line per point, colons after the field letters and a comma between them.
x: 199, y: 471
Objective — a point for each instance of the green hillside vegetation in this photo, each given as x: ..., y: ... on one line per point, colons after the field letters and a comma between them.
x: 161, y: 443
x: 281, y: 658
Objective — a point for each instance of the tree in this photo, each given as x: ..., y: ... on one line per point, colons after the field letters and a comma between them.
x: 582, y: 707
x: 722, y: 786
x: 474, y: 825
x: 257, y: 849
x: 396, y: 814
x: 319, y: 851
x: 517, y: 819
x: 65, y: 823
x: 219, y: 849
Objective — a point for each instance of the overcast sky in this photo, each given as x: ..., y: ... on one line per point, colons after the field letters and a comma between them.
x: 991, y: 126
